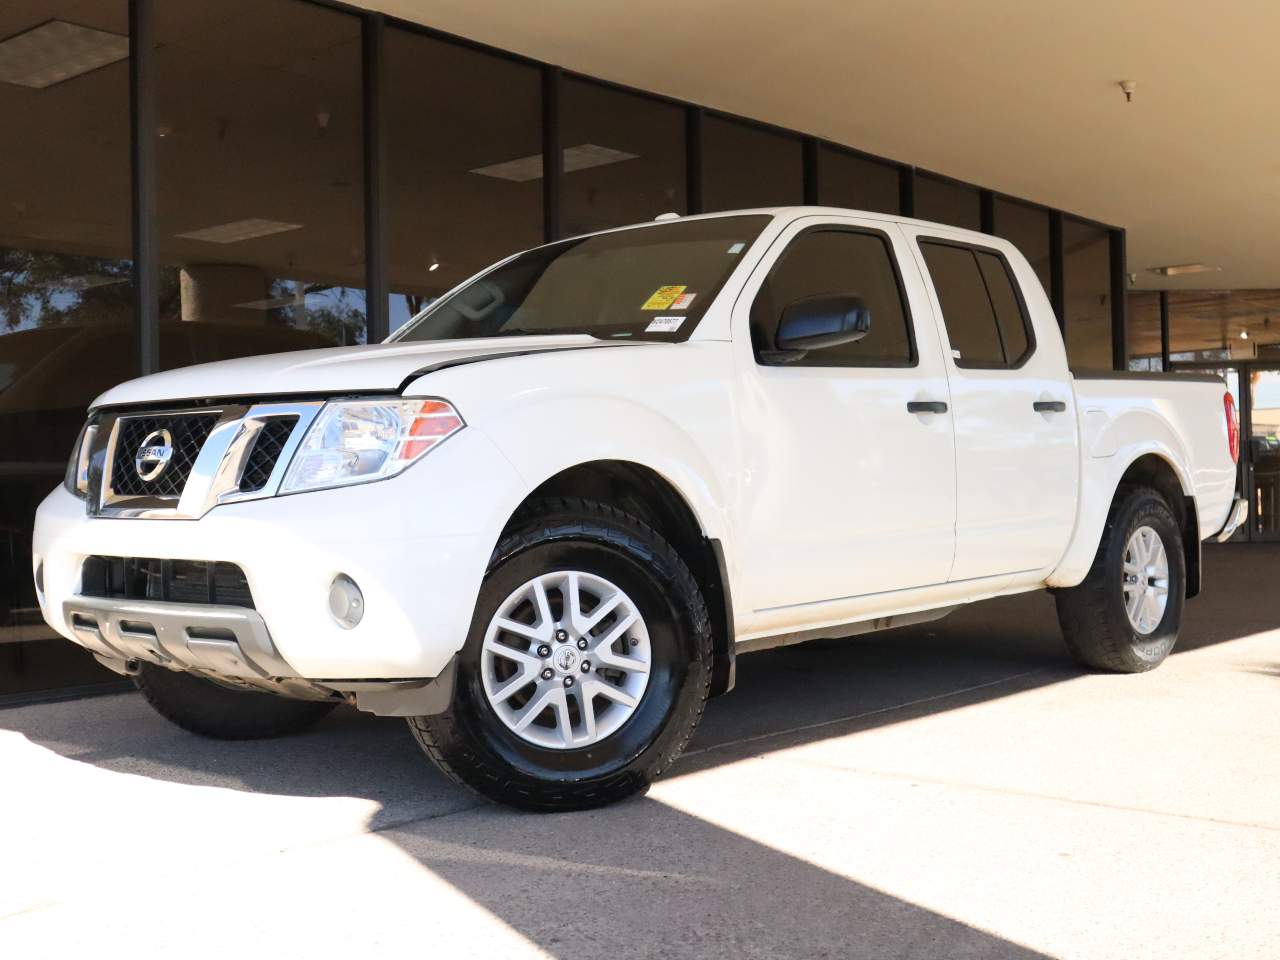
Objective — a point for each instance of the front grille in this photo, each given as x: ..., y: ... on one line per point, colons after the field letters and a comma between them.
x: 169, y: 581
x: 189, y: 432
x: 265, y: 453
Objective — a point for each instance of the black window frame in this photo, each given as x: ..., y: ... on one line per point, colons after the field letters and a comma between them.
x: 1027, y: 325
x: 887, y: 239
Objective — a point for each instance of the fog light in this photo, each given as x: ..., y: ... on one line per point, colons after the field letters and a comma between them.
x: 346, y: 602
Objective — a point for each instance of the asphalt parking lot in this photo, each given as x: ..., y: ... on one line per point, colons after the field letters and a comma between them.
x: 958, y: 789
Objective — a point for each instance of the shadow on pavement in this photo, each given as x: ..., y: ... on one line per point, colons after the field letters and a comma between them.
x: 694, y: 882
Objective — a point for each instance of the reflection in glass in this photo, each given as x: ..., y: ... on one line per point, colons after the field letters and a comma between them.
x: 1264, y: 451
x: 1143, y: 331
x: 464, y: 165
x: 1087, y: 280
x: 66, y: 304
x: 1027, y: 228
x: 745, y: 166
x: 859, y: 183
x: 259, y: 162
x: 945, y: 201
x: 624, y: 157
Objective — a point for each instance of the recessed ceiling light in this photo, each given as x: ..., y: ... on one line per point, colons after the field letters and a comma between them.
x: 57, y: 51
x: 1177, y: 269
x: 582, y: 157
x: 238, y: 230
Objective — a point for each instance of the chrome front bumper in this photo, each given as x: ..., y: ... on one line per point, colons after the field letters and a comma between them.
x: 1239, y: 511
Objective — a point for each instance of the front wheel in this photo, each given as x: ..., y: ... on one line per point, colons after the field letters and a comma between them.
x: 221, y: 712
x: 586, y: 668
x: 1126, y: 614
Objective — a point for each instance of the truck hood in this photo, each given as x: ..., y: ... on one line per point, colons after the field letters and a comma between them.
x: 382, y: 367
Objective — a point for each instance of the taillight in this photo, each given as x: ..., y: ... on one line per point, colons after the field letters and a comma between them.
x: 1233, y: 426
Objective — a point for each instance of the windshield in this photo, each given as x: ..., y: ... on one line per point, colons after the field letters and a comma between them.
x: 649, y: 283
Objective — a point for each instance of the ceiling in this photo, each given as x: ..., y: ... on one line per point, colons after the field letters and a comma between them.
x: 1022, y: 98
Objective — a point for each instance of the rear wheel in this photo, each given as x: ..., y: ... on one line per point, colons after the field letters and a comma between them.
x: 1126, y: 614
x: 223, y: 713
x: 586, y: 668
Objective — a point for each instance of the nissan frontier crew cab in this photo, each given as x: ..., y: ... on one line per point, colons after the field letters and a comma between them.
x: 542, y: 519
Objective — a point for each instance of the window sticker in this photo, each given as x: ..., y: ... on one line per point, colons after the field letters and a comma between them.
x: 663, y: 297
x: 682, y: 302
x: 737, y: 248
x: 664, y: 325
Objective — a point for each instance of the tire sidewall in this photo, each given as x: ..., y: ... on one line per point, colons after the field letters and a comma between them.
x: 1147, y: 510
x: 677, y: 678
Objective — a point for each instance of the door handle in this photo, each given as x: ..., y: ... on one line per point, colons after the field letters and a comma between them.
x: 1049, y: 406
x: 926, y: 406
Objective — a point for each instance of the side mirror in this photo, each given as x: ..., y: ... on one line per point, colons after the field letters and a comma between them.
x: 815, y: 323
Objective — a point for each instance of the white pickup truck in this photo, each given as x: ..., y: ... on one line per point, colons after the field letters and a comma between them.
x: 542, y: 520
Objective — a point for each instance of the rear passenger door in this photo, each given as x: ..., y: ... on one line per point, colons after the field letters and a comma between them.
x: 1017, y: 464
x: 846, y: 490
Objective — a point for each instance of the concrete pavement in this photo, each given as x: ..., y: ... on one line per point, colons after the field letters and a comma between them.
x: 958, y: 789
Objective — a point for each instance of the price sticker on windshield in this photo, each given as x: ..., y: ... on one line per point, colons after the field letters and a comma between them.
x: 663, y: 297
x: 664, y: 325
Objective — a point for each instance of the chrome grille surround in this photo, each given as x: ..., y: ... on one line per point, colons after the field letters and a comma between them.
x: 216, y: 473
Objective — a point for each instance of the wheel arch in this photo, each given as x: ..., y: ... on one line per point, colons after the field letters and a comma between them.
x: 1155, y: 471
x: 646, y: 494
x: 1152, y: 466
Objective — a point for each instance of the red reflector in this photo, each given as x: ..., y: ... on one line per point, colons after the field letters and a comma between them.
x: 1233, y: 426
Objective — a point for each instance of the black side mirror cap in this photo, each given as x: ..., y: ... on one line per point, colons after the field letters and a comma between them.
x: 815, y: 323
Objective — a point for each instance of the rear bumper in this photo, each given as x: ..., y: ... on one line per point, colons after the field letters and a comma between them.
x: 1235, y: 518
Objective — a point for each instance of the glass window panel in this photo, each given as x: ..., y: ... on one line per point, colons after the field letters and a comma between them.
x: 1143, y: 332
x: 464, y: 165
x: 859, y: 183
x: 1224, y: 325
x: 1087, y: 279
x: 260, y: 184
x: 1027, y: 228
x: 945, y: 201
x: 966, y: 307
x: 745, y: 166
x: 1264, y: 451
x: 67, y: 328
x: 838, y: 262
x: 1004, y: 300
x: 624, y: 157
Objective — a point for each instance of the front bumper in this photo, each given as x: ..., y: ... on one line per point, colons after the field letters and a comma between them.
x: 417, y: 545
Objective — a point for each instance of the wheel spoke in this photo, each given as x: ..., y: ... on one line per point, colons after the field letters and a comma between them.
x: 560, y: 706
x: 543, y: 604
x: 520, y: 629
x: 533, y: 709
x: 616, y: 694
x: 516, y: 683
x: 586, y: 705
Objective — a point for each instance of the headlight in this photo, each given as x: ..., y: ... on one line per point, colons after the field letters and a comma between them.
x: 355, y: 441
x: 77, y: 477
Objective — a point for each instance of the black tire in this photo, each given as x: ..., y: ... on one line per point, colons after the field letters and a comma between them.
x: 475, y: 748
x: 1093, y: 618
x: 211, y: 710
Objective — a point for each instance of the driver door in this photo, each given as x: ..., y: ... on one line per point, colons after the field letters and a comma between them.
x: 849, y: 486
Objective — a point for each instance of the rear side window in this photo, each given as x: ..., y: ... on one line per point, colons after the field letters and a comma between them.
x: 838, y: 261
x: 985, y: 321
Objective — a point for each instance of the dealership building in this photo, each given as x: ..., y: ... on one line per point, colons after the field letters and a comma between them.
x: 192, y: 180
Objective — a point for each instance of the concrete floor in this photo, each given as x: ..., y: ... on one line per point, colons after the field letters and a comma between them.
x: 953, y: 790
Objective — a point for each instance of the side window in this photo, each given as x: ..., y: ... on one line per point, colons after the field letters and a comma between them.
x: 838, y: 261
x: 1004, y: 300
x: 984, y: 318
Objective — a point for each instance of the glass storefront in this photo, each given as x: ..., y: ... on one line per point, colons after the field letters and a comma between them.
x: 269, y: 171
x: 66, y: 289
